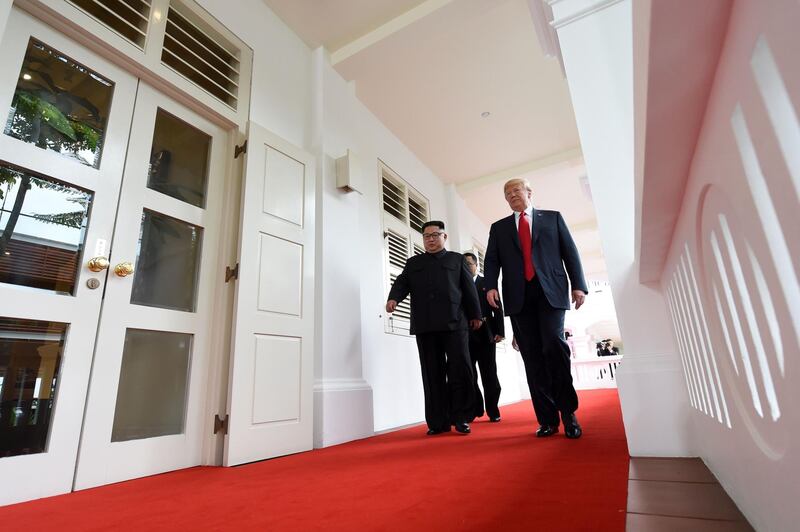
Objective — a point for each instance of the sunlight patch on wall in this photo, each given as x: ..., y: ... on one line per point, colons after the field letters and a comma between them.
x: 737, y: 325
x: 681, y: 347
x: 701, y: 372
x: 779, y: 107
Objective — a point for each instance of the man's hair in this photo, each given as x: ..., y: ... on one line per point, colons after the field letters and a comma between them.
x: 516, y: 180
x: 471, y: 255
x: 433, y: 223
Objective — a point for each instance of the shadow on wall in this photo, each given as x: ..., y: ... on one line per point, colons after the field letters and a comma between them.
x: 739, y: 287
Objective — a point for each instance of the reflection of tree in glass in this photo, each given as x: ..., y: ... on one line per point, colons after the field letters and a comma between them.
x: 51, y: 116
x: 10, y: 177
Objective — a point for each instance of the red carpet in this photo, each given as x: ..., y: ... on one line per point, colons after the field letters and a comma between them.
x: 499, y: 478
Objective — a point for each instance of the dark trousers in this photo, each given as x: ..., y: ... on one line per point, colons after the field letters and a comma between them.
x: 539, y: 330
x: 484, y: 354
x: 446, y: 378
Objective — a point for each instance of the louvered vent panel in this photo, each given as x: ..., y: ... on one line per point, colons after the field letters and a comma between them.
x: 480, y: 253
x: 418, y: 250
x: 394, y: 198
x: 398, y: 250
x: 202, y: 56
x: 403, y: 310
x: 417, y: 213
x: 128, y: 18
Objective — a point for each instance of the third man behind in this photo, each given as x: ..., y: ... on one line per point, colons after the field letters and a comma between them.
x: 483, y: 348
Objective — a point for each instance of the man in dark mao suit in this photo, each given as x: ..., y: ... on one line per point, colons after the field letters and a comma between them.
x: 443, y: 302
x: 533, y: 248
x: 483, y: 348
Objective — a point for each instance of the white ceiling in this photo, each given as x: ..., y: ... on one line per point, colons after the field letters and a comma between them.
x: 428, y: 69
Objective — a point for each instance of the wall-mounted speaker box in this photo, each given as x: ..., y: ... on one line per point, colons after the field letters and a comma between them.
x: 348, y: 173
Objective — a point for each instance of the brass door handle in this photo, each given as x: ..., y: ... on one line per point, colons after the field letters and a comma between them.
x: 123, y: 269
x: 98, y: 264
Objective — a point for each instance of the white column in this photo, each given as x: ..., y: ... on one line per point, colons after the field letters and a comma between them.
x: 342, y: 398
x: 5, y: 9
x: 596, y: 39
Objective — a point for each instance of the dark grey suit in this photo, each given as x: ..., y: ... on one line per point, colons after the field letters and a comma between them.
x: 483, y: 353
x: 443, y: 298
x: 537, y: 307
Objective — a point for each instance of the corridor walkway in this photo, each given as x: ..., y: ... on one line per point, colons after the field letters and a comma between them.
x: 499, y: 478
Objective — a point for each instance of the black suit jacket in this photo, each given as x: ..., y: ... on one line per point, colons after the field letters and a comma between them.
x: 553, y: 252
x: 443, y: 296
x: 493, y: 323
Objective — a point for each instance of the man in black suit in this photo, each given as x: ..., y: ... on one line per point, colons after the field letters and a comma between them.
x: 482, y: 347
x: 533, y: 248
x: 443, y: 299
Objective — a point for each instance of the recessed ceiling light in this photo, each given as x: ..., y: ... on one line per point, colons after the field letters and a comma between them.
x: 26, y: 77
x: 485, y: 114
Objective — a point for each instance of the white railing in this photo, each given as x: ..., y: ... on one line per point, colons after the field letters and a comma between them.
x: 591, y: 373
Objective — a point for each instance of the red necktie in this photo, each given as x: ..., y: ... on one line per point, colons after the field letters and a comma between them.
x: 525, y: 243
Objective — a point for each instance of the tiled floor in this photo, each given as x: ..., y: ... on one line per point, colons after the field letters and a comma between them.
x: 678, y: 494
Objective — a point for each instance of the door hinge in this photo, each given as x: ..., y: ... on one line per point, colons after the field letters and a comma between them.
x: 220, y: 425
x: 238, y: 150
x: 231, y: 273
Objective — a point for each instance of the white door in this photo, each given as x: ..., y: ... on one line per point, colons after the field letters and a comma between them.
x: 145, y: 412
x: 62, y: 151
x: 271, y: 380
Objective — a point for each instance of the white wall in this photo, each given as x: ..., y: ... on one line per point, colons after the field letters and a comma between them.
x: 747, y: 417
x: 5, y: 9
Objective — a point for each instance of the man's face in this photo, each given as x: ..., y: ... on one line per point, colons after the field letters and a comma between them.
x: 434, y: 238
x: 518, y: 196
x: 472, y: 265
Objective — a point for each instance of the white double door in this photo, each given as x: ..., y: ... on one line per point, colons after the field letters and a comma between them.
x: 104, y: 362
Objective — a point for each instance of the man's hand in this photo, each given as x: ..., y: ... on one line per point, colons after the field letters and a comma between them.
x: 493, y: 297
x: 391, y: 305
x: 578, y: 297
x: 514, y: 343
x: 475, y: 324
x: 498, y: 338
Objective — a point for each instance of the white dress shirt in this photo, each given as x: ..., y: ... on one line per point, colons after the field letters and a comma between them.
x: 529, y: 214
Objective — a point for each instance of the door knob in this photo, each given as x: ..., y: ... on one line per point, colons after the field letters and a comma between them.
x: 123, y: 269
x: 97, y: 264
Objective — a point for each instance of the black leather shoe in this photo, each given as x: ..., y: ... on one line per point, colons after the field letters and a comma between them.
x: 573, y: 432
x: 494, y: 419
x: 434, y: 432
x: 463, y: 428
x: 546, y: 430
x: 572, y: 428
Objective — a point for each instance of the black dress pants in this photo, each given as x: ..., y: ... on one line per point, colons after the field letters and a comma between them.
x: 484, y: 354
x: 446, y: 378
x: 539, y: 330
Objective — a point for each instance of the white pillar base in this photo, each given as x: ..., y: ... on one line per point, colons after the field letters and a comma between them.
x: 342, y: 411
x: 647, y: 391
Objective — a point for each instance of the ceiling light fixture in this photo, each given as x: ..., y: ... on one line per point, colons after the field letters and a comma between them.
x: 485, y: 114
x: 26, y: 77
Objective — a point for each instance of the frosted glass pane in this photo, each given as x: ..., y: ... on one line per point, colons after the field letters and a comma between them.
x: 179, y: 160
x: 151, y: 399
x: 168, y: 263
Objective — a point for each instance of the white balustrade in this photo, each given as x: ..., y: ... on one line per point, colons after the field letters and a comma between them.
x: 592, y: 373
